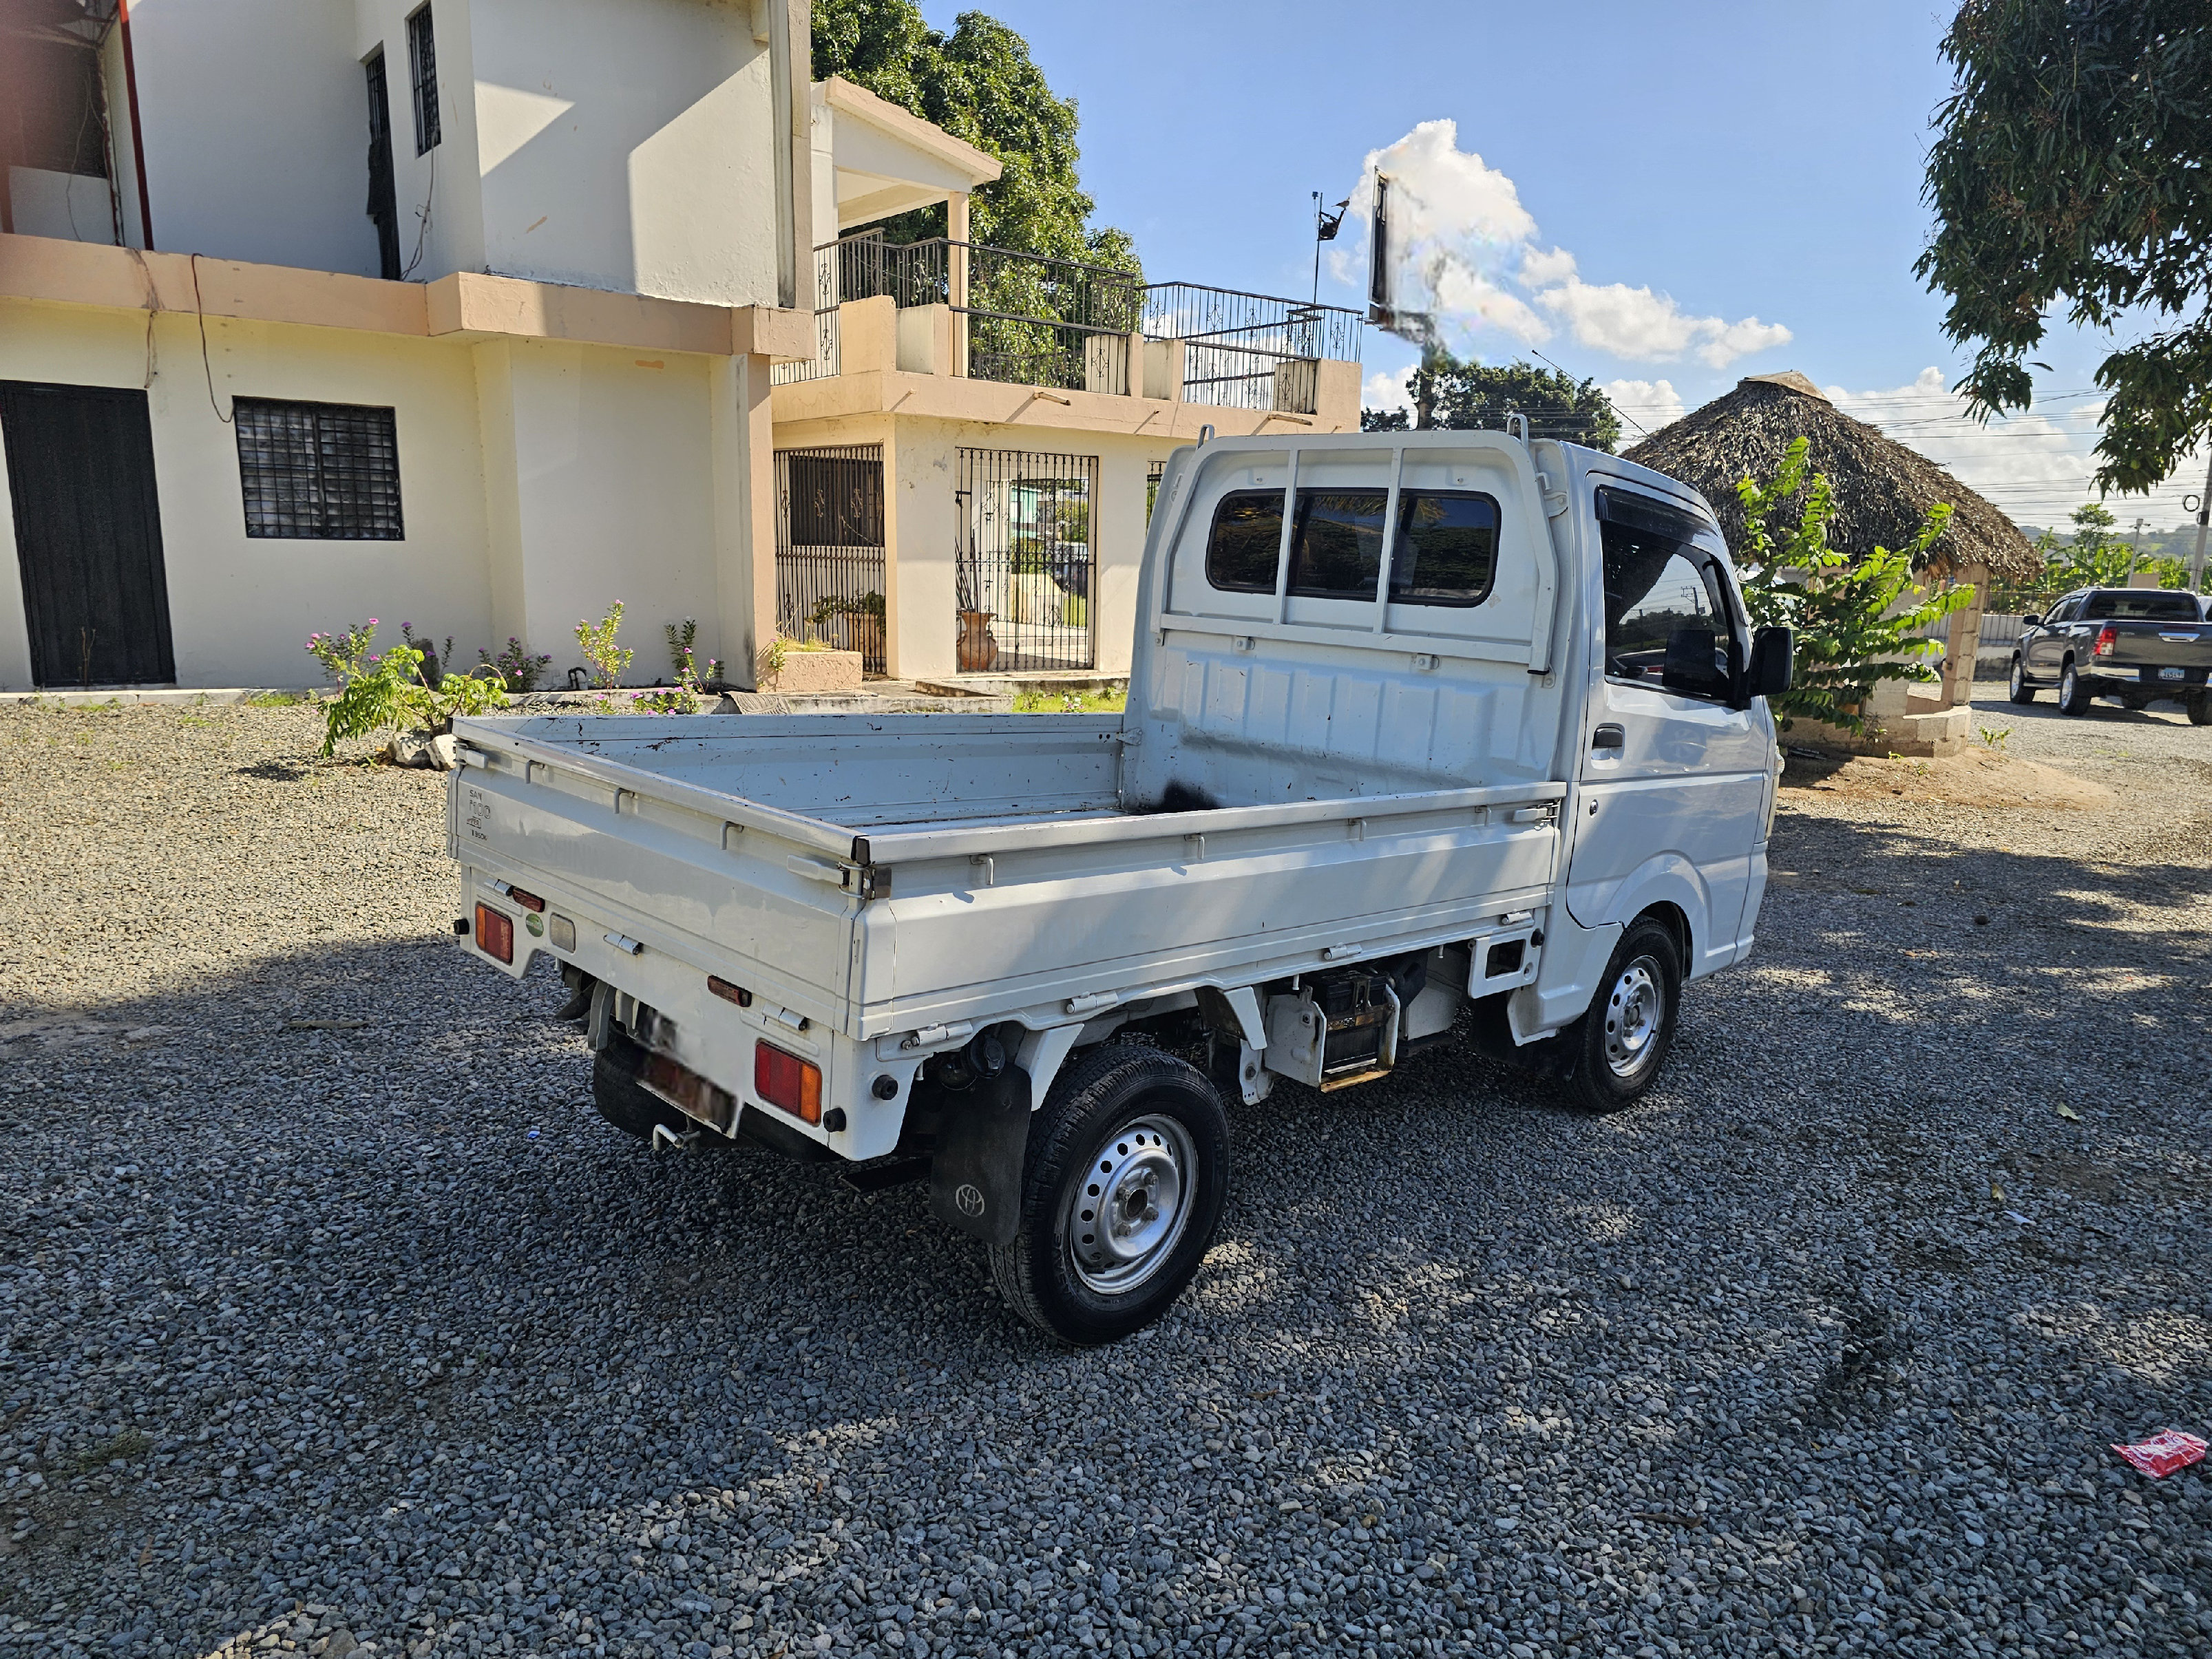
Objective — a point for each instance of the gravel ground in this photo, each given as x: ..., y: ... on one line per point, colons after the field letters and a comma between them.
x: 333, y: 1320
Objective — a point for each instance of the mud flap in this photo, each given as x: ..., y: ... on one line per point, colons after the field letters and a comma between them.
x: 976, y: 1178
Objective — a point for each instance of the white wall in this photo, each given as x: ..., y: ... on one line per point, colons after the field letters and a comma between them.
x: 256, y: 118
x: 626, y: 144
x: 601, y: 476
x: 75, y: 207
x: 240, y: 609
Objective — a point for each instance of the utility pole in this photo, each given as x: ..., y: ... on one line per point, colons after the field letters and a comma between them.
x: 2204, y: 515
x: 2134, y: 551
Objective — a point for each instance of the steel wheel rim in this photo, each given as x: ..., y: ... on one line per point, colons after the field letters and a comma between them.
x: 1131, y: 1207
x: 1635, y: 1009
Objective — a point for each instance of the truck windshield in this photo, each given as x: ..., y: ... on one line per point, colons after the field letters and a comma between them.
x: 2144, y: 604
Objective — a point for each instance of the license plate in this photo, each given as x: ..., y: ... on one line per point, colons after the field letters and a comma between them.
x: 2171, y: 673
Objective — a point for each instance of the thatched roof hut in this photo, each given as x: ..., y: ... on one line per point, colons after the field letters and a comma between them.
x: 1882, y: 488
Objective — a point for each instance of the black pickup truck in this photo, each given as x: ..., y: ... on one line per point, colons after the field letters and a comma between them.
x: 2135, y: 645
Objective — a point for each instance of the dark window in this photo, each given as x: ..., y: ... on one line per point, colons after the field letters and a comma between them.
x: 2143, y: 603
x: 1336, y: 548
x: 1667, y: 620
x: 319, y: 471
x: 837, y: 501
x: 383, y: 198
x: 422, y: 56
x: 1447, y: 548
x: 1247, y: 539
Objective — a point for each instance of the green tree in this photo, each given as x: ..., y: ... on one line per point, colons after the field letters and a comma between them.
x: 980, y: 84
x: 1857, y: 624
x: 2074, y: 163
x: 1463, y: 397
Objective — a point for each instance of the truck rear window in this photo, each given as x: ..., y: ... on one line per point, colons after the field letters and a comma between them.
x: 2142, y: 603
x: 1446, y: 551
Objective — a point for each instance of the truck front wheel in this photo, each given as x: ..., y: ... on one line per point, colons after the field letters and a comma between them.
x: 1123, y: 1185
x: 1623, y: 1041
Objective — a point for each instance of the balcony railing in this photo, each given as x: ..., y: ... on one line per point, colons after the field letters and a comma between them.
x: 1029, y: 320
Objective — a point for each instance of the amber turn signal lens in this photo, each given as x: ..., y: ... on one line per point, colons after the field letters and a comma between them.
x: 496, y: 934
x: 787, y: 1082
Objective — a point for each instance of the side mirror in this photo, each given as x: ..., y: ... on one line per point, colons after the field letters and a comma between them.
x: 1693, y: 664
x: 2031, y: 620
x: 1773, y: 662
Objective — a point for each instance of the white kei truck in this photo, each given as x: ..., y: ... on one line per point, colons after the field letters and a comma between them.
x: 1429, y: 734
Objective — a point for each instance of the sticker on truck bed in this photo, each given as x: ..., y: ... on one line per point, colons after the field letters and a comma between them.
x: 476, y: 814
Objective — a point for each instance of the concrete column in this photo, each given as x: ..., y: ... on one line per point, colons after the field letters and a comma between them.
x: 1965, y: 644
x: 502, y: 484
x: 956, y: 229
x: 743, y: 428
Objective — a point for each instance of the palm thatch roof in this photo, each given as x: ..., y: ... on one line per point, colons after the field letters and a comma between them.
x: 1883, y: 489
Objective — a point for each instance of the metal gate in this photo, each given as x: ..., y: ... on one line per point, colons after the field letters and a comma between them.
x: 830, y: 549
x: 1026, y: 563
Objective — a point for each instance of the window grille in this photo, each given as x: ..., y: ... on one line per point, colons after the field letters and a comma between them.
x: 423, y: 54
x: 1024, y: 558
x: 319, y: 471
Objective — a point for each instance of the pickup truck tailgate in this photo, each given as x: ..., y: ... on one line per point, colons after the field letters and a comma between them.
x: 687, y: 882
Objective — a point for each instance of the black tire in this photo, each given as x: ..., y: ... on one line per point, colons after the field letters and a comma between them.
x: 2199, y: 708
x: 2021, y: 690
x: 2073, y: 697
x: 621, y: 1100
x: 1620, y: 1046
x: 1141, y: 1119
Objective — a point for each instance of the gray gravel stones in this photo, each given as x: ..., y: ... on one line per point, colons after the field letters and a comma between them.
x: 332, y: 1318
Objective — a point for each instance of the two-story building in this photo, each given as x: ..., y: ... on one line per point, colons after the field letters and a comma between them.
x: 481, y: 314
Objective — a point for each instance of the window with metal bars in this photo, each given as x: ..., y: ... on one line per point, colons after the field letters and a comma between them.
x: 319, y: 471
x: 423, y: 55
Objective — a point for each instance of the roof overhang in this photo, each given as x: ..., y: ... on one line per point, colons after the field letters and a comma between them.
x: 890, y: 161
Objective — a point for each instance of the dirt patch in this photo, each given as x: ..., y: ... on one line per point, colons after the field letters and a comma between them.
x: 1980, y: 777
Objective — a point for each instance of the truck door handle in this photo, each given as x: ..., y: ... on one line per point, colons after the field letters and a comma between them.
x: 1609, y: 737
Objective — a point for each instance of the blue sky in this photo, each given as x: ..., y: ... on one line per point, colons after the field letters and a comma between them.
x: 1743, y: 161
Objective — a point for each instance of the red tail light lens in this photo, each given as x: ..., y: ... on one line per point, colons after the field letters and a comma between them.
x: 787, y: 1082
x: 528, y: 901
x: 2105, y: 636
x: 496, y: 934
x: 729, y: 993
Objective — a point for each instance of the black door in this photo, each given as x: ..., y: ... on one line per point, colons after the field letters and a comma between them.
x: 383, y: 198
x: 88, y: 533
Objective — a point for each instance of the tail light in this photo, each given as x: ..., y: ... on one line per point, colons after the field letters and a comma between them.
x: 528, y: 901
x: 729, y: 993
x: 496, y: 934
x: 787, y: 1082
x: 2105, y: 636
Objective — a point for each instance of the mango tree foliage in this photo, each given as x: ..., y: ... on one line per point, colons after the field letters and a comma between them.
x: 2074, y: 167
x: 1858, y: 623
x: 1467, y: 396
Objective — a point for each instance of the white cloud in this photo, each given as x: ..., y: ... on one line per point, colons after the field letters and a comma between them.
x: 1383, y: 390
x: 1457, y: 228
x: 1645, y: 406
x: 1646, y: 327
x: 2035, y: 466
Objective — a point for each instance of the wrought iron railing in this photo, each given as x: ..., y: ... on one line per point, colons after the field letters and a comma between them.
x: 1030, y: 321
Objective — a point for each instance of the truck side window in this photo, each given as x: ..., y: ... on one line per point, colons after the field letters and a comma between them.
x: 1668, y: 619
x: 1447, y: 548
x: 1245, y: 542
x: 1336, y: 546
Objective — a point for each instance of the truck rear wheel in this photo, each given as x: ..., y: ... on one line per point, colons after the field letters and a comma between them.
x: 621, y: 1100
x: 1622, y: 1044
x: 2200, y: 709
x: 1123, y: 1185
x: 2073, y: 696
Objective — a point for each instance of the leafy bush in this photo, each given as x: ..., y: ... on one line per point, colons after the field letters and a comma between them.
x: 1855, y: 626
x: 343, y: 655
x: 515, y: 666
x: 597, y: 640
x: 389, y: 694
